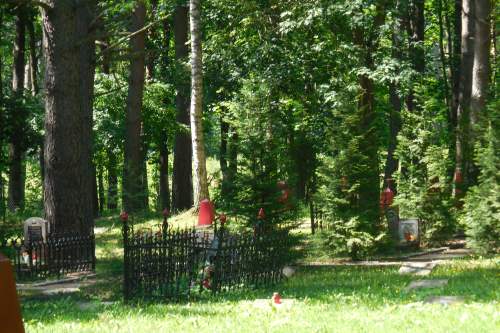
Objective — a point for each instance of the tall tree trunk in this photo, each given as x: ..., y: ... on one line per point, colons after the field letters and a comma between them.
x: 41, y: 161
x: 463, y: 147
x: 106, y: 59
x: 100, y: 183
x: 164, y: 187
x: 480, y: 70
x: 442, y: 55
x: 151, y: 53
x: 133, y: 196
x: 456, y: 60
x: 112, y: 181
x: 224, y: 134
x: 33, y: 60
x: 232, y: 165
x: 16, y: 140
x: 95, y: 192
x: 167, y: 35
x: 69, y: 75
x: 182, y: 186
x: 144, y: 175
x: 480, y: 76
x: 391, y: 163
x: 199, y: 159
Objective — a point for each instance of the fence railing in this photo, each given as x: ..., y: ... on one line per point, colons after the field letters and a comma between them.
x: 55, y: 256
x: 170, y: 264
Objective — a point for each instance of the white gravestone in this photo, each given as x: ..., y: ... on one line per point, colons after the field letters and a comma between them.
x: 36, y: 229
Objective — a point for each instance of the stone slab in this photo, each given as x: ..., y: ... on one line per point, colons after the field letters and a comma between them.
x: 417, y: 268
x: 426, y: 284
x: 100, y: 230
x: 444, y: 300
x: 57, y: 291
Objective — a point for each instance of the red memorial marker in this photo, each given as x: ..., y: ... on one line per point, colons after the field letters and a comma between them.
x: 276, y: 298
x: 206, y: 215
x: 10, y: 312
x: 222, y: 219
x: 124, y: 216
x: 261, y: 214
x: 386, y: 198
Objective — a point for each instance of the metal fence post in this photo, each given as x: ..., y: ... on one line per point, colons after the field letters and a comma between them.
x: 125, y: 233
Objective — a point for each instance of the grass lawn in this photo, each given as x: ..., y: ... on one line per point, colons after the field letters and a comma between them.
x: 327, y: 299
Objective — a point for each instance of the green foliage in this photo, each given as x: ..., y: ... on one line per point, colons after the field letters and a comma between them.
x: 344, y: 237
x: 482, y: 204
x: 424, y: 179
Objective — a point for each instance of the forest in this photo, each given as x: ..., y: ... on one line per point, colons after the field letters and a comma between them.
x: 249, y: 166
x: 149, y: 105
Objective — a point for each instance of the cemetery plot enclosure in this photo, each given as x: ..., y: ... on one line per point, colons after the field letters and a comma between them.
x: 174, y: 264
x: 56, y: 255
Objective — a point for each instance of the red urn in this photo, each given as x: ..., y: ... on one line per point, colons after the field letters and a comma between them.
x: 124, y: 216
x: 165, y: 212
x: 222, y: 219
x: 206, y: 215
x: 261, y: 214
x: 276, y: 298
x: 386, y: 198
x: 458, y: 177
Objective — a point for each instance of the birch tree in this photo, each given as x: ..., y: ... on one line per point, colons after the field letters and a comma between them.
x: 200, y: 184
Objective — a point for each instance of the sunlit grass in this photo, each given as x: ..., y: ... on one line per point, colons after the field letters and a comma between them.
x: 341, y: 299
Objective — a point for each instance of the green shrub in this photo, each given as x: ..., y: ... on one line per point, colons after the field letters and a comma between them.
x: 482, y: 204
x: 344, y: 237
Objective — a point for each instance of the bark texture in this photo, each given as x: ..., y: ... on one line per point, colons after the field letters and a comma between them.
x: 112, y: 202
x: 163, y: 184
x: 16, y: 140
x: 69, y: 80
x: 196, y: 110
x: 133, y: 178
x: 182, y: 184
x: 480, y: 79
x: 33, y: 58
x: 480, y: 69
x: 163, y: 181
x: 224, y: 134
x: 456, y: 59
x: 462, y: 148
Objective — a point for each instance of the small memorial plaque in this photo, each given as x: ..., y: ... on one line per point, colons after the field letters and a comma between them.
x: 409, y: 232
x: 35, y: 229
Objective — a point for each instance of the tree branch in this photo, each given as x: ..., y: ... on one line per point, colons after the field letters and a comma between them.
x: 38, y: 3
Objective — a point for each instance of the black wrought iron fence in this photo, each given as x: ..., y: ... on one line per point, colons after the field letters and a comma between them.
x: 170, y: 264
x: 158, y: 265
x: 57, y: 255
x: 249, y: 259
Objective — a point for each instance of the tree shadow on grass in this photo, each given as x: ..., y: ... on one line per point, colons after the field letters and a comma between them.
x: 371, y: 287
